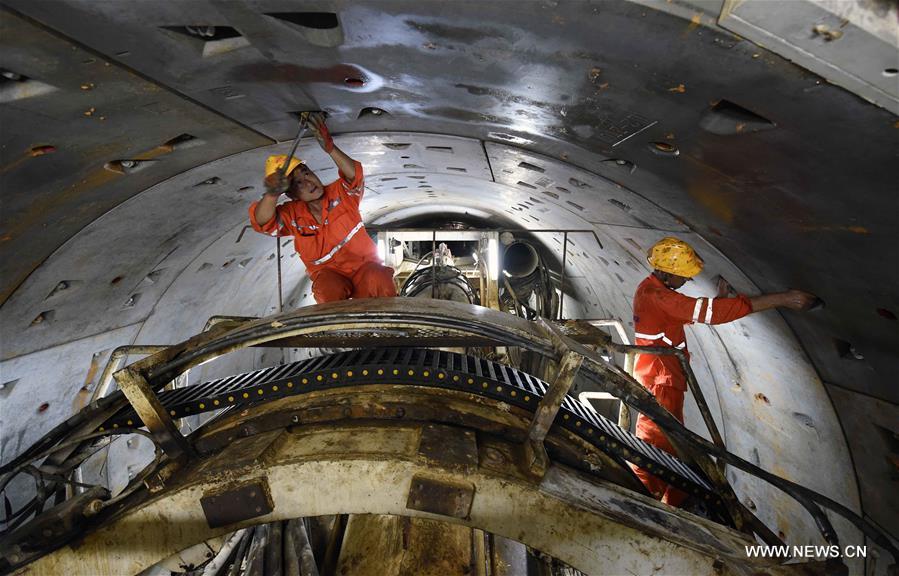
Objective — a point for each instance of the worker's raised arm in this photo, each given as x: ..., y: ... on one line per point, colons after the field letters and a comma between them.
x: 792, y: 299
x: 345, y: 164
x: 263, y: 212
x: 723, y: 310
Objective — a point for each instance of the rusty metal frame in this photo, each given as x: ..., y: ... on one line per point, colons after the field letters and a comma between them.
x: 568, y: 366
x: 153, y: 413
x: 583, y: 522
x: 510, y: 330
x: 363, y: 321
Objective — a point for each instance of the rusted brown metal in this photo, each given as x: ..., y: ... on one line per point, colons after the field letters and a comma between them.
x: 369, y: 469
x: 51, y: 529
x: 440, y: 496
x: 237, y: 504
x: 547, y: 410
x: 380, y: 545
x: 115, y: 360
x: 153, y: 413
x: 230, y: 321
x: 479, y: 558
x: 444, y: 317
x: 549, y: 406
x: 449, y: 446
x: 545, y: 414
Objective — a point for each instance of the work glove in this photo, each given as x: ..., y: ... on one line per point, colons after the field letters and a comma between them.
x: 320, y: 130
x: 276, y: 184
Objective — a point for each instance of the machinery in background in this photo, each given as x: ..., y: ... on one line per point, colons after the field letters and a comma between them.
x: 457, y: 265
x: 490, y: 268
x: 526, y: 288
x: 440, y: 279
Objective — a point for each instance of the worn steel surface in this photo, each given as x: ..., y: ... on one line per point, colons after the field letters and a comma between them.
x: 440, y: 497
x: 167, y: 364
x: 592, y: 526
x: 152, y: 413
x: 93, y: 112
x: 238, y: 504
x: 403, y: 546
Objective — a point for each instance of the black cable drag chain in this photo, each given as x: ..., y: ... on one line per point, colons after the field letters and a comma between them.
x: 423, y: 367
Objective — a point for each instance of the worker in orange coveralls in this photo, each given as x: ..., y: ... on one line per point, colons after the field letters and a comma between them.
x: 660, y: 314
x: 325, y: 223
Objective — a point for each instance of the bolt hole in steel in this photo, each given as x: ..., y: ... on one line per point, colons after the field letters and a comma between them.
x: 313, y: 20
x: 847, y: 350
x: 11, y: 76
x: 885, y: 313
x: 372, y: 111
x: 664, y: 148
x: 41, y: 150
x: 890, y: 72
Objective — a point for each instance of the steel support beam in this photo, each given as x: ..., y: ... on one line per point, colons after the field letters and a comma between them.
x: 594, y: 526
x: 152, y: 413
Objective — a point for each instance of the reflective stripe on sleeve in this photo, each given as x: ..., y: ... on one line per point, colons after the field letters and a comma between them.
x: 708, y: 312
x: 696, y: 309
x: 649, y: 336
x: 339, y: 245
x: 661, y: 336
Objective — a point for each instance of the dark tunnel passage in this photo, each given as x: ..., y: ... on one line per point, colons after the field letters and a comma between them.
x: 134, y: 137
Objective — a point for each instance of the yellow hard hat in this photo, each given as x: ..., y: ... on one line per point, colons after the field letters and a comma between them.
x: 675, y: 256
x: 274, y: 163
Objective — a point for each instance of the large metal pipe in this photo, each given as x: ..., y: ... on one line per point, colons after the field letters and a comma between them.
x: 520, y: 259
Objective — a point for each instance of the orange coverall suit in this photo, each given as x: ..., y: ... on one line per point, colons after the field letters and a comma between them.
x: 340, y: 258
x: 660, y: 314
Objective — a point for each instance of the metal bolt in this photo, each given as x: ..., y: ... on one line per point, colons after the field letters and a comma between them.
x: 493, y: 455
x: 93, y: 507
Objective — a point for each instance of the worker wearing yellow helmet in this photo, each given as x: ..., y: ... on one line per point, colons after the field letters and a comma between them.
x: 325, y: 222
x: 660, y: 314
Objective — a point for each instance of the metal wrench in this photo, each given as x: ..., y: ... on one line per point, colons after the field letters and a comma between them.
x: 304, y: 121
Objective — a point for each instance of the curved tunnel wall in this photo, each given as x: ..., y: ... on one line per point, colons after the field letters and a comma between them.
x: 155, y: 268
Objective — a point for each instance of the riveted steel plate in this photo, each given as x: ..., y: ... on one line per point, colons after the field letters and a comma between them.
x: 444, y: 497
x: 237, y: 504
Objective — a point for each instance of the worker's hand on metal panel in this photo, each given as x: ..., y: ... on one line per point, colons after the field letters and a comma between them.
x: 724, y: 289
x: 799, y: 300
x: 320, y: 130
